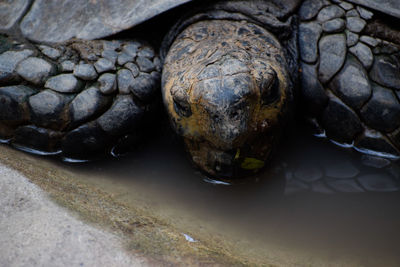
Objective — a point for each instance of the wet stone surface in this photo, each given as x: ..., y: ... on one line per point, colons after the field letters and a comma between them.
x: 310, y: 8
x: 85, y: 72
x: 332, y: 55
x: 378, y: 183
x: 108, y: 83
x: 8, y: 63
x: 363, y: 53
x: 386, y: 71
x: 335, y: 25
x: 13, y: 103
x: 330, y: 12
x: 309, y: 34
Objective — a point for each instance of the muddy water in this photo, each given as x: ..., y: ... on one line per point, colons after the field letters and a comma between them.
x: 316, y: 204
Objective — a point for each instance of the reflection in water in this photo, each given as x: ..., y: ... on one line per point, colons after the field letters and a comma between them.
x: 313, y: 197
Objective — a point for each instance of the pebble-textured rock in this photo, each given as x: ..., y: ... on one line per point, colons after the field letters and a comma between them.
x: 8, y: 63
x: 85, y: 72
x: 375, y: 162
x: 312, y: 91
x: 124, y: 115
x: 382, y: 112
x: 344, y: 185
x: 355, y: 24
x: 13, y: 108
x: 334, y: 25
x: 374, y: 141
x: 340, y: 169
x: 146, y: 52
x: 88, y: 104
x: 363, y: 53
x: 352, y: 13
x: 64, y: 83
x: 346, y: 6
x: 352, y: 84
x: 309, y: 34
x: 47, y: 109
x: 104, y: 65
x: 50, y: 51
x: 332, y: 55
x: 35, y: 70
x: 125, y: 81
x: 340, y: 122
x: 131, y: 49
x: 330, y: 12
x: 308, y: 173
x: 386, y: 71
x: 42, y: 141
x: 124, y: 58
x: 107, y: 83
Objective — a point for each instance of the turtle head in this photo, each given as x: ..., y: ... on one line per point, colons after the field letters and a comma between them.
x: 226, y: 95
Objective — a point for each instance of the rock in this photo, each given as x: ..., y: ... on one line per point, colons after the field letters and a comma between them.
x: 382, y: 112
x: 375, y: 162
x: 145, y: 64
x: 13, y: 107
x: 369, y: 40
x: 310, y: 8
x: 124, y: 115
x: 340, y: 122
x: 85, y: 142
x: 37, y: 140
x: 125, y: 81
x: 344, y: 185
x: 346, y: 6
x: 104, y: 65
x: 11, y: 12
x: 330, y: 12
x: 355, y: 24
x: 35, y: 70
x: 8, y: 63
x: 312, y: 91
x: 87, y: 19
x: 395, y: 137
x: 133, y: 68
x: 378, y: 183
x: 309, y: 34
x: 373, y: 142
x: 145, y: 86
x: 47, y: 109
x: 294, y: 186
x: 67, y: 66
x: 308, y: 173
x: 334, y: 25
x: 332, y: 55
x: 365, y: 14
x: 85, y: 72
x: 108, y: 83
x: 50, y: 52
x: 363, y: 53
x: 352, y: 85
x: 386, y: 71
x: 124, y: 58
x: 111, y: 55
x: 87, y: 105
x: 64, y: 83
x: 146, y: 52
x: 111, y: 45
x: 340, y: 169
x: 352, y: 38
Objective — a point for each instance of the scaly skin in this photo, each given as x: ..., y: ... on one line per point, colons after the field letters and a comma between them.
x: 227, y: 91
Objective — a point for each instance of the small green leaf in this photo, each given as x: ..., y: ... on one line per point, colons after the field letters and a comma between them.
x: 252, y: 164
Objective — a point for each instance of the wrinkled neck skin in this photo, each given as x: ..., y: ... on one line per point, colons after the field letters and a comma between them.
x: 227, y: 89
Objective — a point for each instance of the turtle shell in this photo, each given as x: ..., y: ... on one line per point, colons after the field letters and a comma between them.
x: 80, y: 18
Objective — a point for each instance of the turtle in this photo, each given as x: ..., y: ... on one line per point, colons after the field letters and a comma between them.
x: 232, y: 75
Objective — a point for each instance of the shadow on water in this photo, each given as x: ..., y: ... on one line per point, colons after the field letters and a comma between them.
x: 314, y: 197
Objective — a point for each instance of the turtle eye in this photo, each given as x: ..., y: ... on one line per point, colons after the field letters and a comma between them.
x: 182, y: 107
x: 270, y: 89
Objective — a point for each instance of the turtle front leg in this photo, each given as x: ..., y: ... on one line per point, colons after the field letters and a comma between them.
x: 227, y: 90
x: 78, y: 98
